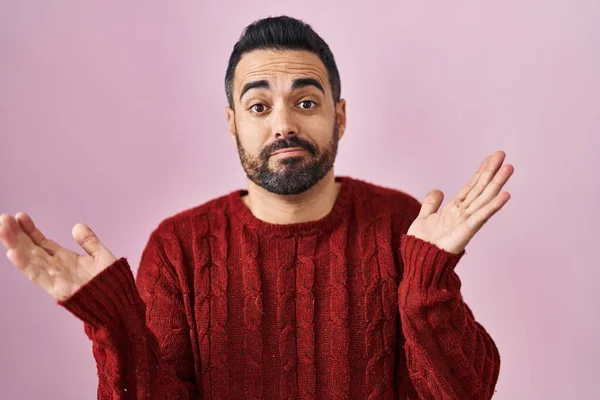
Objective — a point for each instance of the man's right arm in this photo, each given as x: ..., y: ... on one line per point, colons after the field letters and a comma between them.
x: 140, y: 334
x: 139, y: 330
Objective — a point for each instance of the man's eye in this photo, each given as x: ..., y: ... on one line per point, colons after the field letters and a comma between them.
x: 307, y: 104
x: 258, y: 108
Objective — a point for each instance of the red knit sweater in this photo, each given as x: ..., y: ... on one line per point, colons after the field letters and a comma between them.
x: 226, y: 306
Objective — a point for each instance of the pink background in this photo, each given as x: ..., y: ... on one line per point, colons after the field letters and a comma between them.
x: 112, y: 114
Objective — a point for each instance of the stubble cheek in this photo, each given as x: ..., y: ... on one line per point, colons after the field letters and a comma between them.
x: 249, y: 141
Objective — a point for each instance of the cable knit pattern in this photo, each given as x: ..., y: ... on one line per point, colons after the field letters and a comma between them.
x: 226, y: 306
x: 389, y: 298
x: 286, y: 312
x: 201, y: 256
x: 218, y: 310
x: 340, y: 340
x: 253, y: 311
x: 373, y: 311
x: 305, y: 314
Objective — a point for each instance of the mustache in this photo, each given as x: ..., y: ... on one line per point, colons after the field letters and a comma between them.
x: 286, y: 143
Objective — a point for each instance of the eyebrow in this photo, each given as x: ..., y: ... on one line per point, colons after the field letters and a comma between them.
x: 297, y: 84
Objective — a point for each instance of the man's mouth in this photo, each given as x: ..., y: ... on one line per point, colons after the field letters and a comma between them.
x: 290, y: 151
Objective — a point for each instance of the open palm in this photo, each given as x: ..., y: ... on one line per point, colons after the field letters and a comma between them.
x: 59, y: 271
x: 453, y: 226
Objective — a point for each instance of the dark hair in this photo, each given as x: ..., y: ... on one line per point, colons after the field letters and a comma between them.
x: 282, y: 33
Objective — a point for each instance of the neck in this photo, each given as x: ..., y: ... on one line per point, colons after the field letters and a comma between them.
x: 311, y: 205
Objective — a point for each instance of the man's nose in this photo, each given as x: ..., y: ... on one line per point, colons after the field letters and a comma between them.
x: 284, y: 124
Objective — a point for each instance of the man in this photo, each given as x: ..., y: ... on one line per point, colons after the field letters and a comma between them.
x: 305, y: 285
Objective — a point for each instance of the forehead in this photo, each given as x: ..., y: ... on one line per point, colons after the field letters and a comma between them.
x: 278, y: 67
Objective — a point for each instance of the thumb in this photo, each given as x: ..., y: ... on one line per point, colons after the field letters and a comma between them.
x: 87, y: 239
x: 431, y: 204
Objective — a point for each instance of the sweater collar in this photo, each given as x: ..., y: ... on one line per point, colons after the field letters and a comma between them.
x: 341, y: 206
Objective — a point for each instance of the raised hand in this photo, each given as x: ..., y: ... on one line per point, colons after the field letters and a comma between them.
x: 59, y: 271
x: 452, y: 227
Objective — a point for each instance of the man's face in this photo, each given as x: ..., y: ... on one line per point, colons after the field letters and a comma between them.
x: 285, y: 125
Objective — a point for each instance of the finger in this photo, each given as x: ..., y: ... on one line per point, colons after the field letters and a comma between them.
x: 87, y: 239
x: 35, y: 234
x: 431, y: 204
x: 469, y: 186
x: 18, y: 258
x: 22, y: 252
x: 492, y: 190
x: 12, y: 232
x: 8, y: 237
x: 31, y: 268
x: 494, y: 163
x: 481, y: 216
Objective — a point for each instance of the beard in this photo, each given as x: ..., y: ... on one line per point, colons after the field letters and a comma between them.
x: 291, y: 175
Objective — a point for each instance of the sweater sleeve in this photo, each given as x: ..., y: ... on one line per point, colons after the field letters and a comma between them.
x: 139, y: 331
x: 449, y: 355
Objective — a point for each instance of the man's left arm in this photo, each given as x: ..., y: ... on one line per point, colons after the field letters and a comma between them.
x: 449, y: 355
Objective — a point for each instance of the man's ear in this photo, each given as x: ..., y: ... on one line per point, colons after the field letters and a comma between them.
x: 231, y: 122
x: 340, y: 115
